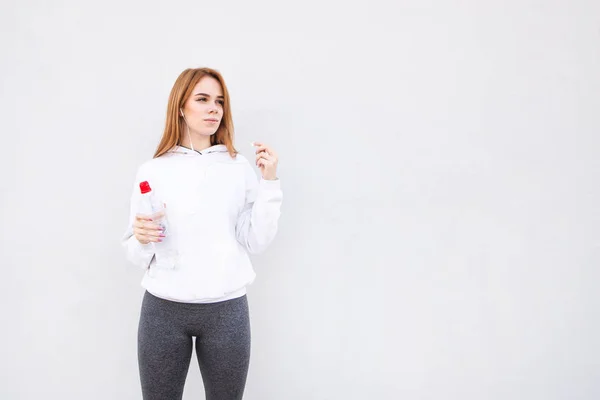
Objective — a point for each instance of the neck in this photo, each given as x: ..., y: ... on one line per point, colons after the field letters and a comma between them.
x: 199, y: 142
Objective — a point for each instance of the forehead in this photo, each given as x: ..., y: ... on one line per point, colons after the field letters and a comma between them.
x: 208, y: 85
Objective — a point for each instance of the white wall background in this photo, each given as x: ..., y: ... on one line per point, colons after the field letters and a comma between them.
x: 440, y: 163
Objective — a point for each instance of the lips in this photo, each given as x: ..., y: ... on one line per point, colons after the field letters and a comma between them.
x: 211, y: 120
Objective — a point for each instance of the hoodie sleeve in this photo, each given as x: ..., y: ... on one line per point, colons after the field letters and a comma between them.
x: 137, y: 253
x: 257, y: 223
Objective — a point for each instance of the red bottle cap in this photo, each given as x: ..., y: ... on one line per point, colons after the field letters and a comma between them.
x: 145, y: 187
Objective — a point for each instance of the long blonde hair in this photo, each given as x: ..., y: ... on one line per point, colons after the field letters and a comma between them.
x: 174, y: 125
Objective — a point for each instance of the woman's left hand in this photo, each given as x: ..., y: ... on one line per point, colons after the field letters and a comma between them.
x: 266, y: 161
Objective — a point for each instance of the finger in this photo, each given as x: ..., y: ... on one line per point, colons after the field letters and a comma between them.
x: 155, y: 235
x: 268, y: 149
x: 151, y: 230
x: 141, y: 234
x: 151, y: 233
x: 263, y: 161
x: 146, y: 229
x: 263, y: 147
x: 151, y: 217
x: 265, y: 164
x: 257, y: 147
x: 147, y: 239
x: 143, y: 217
x: 265, y: 150
x: 152, y: 227
x: 265, y: 156
x: 146, y: 224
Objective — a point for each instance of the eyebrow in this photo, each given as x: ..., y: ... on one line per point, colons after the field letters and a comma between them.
x: 208, y: 95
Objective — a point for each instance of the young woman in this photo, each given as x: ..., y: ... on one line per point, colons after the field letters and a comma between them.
x: 217, y: 212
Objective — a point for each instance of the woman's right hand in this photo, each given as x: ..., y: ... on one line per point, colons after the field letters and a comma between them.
x: 146, y: 230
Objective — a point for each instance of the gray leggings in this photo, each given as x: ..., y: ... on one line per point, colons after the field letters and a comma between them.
x: 222, y: 340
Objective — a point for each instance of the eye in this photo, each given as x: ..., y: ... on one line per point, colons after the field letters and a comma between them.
x: 201, y: 99
x: 221, y: 102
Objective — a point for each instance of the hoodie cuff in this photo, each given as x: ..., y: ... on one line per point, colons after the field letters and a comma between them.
x: 274, y: 184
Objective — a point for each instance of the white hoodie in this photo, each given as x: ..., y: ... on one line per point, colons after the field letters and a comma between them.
x: 218, y: 212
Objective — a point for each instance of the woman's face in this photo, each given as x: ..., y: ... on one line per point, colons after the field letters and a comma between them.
x: 203, y: 110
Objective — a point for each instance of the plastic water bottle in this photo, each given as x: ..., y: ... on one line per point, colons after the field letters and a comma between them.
x: 165, y: 251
